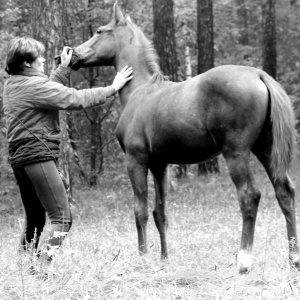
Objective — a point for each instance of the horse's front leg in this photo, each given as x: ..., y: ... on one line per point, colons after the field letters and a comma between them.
x: 160, y: 218
x: 138, y: 177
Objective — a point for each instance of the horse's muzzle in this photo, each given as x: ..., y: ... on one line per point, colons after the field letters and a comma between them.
x: 75, y: 63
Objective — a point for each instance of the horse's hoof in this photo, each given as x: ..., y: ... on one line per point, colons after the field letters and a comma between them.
x: 142, y: 252
x: 164, y: 257
x: 295, y: 260
x: 244, y: 262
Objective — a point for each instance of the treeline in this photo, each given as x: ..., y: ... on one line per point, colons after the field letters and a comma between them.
x: 190, y: 36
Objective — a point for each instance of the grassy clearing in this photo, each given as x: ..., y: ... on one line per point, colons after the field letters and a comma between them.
x: 99, y: 259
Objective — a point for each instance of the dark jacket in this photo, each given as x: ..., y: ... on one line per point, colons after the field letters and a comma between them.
x: 36, y: 100
x: 31, y: 103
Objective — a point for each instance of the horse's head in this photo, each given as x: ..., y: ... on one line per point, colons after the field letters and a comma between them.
x: 103, y: 47
x: 121, y: 43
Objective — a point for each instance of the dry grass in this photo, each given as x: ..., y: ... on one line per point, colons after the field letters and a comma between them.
x: 99, y: 259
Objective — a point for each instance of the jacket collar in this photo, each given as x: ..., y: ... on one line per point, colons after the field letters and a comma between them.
x: 30, y: 72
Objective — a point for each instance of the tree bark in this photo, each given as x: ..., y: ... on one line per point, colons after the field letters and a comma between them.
x: 165, y: 45
x: 269, y: 53
x: 205, y: 35
x: 65, y: 150
x: 74, y: 149
x: 188, y: 65
x: 94, y: 145
x: 47, y: 25
x: 205, y: 41
x: 164, y: 37
x: 181, y: 170
x: 242, y: 15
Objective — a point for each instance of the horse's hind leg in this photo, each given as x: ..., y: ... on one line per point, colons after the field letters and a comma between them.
x: 138, y: 177
x: 160, y: 218
x: 285, y: 194
x: 248, y: 196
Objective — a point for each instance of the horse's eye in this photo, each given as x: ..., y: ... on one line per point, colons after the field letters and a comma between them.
x: 98, y: 31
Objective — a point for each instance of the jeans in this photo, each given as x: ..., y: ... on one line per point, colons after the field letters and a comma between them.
x: 43, y: 192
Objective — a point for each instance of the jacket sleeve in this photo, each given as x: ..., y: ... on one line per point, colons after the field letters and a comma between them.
x: 61, y: 75
x: 52, y: 95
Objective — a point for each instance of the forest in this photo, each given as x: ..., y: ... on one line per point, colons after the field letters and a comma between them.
x: 238, y: 36
x: 100, y: 259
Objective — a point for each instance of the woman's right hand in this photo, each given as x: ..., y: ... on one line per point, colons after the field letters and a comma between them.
x: 122, y: 78
x: 66, y: 56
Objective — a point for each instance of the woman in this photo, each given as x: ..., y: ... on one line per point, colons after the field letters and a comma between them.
x: 31, y: 104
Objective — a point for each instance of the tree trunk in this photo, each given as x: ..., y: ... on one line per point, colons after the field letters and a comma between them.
x: 181, y: 170
x: 65, y: 151
x: 46, y: 24
x: 211, y: 166
x: 93, y: 117
x: 100, y: 143
x: 205, y: 35
x: 269, y: 54
x: 165, y: 45
x: 74, y: 150
x: 188, y: 65
x: 205, y: 40
x: 93, y: 153
x: 47, y: 27
x: 242, y: 15
x: 164, y: 37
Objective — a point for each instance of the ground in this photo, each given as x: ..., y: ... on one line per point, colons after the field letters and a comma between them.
x: 99, y: 259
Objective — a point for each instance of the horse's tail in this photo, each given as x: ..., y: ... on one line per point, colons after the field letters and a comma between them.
x: 283, y: 127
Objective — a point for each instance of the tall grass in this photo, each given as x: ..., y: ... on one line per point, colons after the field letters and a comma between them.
x: 99, y: 259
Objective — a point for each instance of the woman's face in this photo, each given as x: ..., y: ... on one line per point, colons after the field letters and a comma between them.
x: 38, y: 64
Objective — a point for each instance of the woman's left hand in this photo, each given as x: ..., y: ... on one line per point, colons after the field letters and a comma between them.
x: 66, y: 56
x: 122, y: 78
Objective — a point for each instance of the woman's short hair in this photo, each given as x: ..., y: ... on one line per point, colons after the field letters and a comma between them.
x: 20, y: 50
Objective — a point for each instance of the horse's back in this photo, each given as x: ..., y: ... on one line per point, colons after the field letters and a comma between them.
x: 194, y: 120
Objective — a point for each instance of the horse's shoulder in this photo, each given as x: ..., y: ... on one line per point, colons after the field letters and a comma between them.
x: 149, y: 93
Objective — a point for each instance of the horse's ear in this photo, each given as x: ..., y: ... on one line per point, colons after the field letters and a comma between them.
x: 118, y: 15
x: 127, y: 17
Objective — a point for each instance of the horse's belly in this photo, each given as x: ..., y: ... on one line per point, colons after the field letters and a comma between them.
x: 190, y: 152
x: 191, y: 156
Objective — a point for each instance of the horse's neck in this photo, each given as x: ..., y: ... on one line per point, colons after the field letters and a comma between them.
x: 140, y: 77
x: 134, y: 56
x: 125, y: 93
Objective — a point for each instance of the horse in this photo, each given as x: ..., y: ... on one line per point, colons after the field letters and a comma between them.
x: 229, y: 110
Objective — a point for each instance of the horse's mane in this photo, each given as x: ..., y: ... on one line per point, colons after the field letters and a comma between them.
x: 150, y: 56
